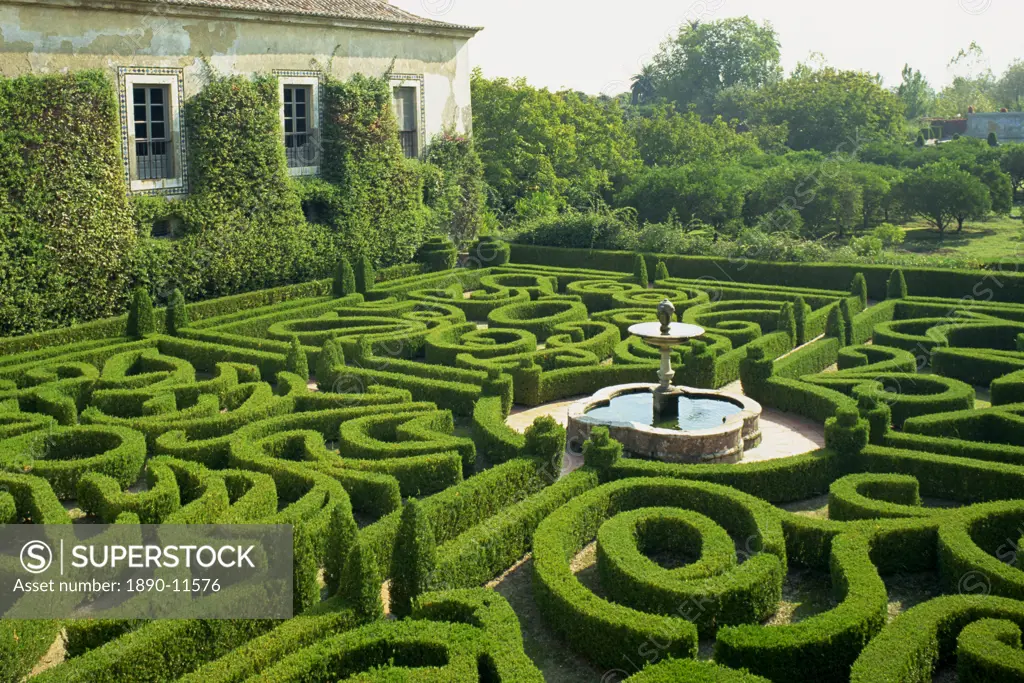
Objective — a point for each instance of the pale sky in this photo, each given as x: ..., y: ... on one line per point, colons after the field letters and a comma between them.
x: 597, y: 46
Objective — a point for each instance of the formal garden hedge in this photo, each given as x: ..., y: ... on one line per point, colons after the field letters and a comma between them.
x: 329, y: 408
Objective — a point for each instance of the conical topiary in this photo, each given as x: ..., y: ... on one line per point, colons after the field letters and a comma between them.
x: 800, y: 312
x: 177, y: 313
x: 141, y: 319
x: 896, y: 288
x: 340, y: 537
x: 859, y: 288
x: 660, y: 272
x: 846, y: 313
x: 993, y: 140
x: 296, y: 361
x: 360, y: 582
x: 365, y: 277
x: 413, y: 559
x: 835, y: 327
x: 331, y: 356
x: 787, y: 321
x: 344, y: 279
x: 305, y: 590
x: 640, y: 270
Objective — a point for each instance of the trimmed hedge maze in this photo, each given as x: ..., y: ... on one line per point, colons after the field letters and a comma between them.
x: 335, y: 413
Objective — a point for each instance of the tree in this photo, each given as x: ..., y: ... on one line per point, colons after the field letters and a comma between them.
x: 564, y: 145
x: 942, y: 194
x: 859, y: 288
x: 456, y: 193
x: 695, y: 193
x: 1012, y: 163
x: 643, y: 86
x: 826, y: 109
x: 705, y: 58
x: 413, y: 559
x: 917, y: 95
x: 665, y: 137
x: 1010, y: 88
x: 993, y: 139
x: 660, y: 272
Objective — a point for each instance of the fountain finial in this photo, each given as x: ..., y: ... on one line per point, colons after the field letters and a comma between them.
x: 666, y: 313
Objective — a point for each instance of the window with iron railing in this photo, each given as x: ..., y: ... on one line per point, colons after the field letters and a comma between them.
x: 406, y: 112
x: 299, y: 142
x: 154, y: 154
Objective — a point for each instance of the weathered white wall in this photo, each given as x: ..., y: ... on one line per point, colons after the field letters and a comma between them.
x: 1007, y: 126
x: 48, y: 37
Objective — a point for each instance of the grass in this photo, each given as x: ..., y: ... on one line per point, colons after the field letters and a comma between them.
x: 993, y: 240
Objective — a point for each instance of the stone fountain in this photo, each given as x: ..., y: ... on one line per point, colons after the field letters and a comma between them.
x: 667, y: 422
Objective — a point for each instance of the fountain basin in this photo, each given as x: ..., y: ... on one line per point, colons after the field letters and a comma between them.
x: 710, y: 427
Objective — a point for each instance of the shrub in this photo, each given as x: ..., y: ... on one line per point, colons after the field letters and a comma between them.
x: 177, y: 313
x: 660, y: 272
x: 344, y: 279
x: 331, y: 356
x: 787, y: 321
x: 640, y: 270
x: 141, y: 318
x: 360, y: 582
x: 413, y: 559
x: 847, y: 433
x: 437, y: 254
x: 993, y: 141
x: 600, y: 451
x: 296, y: 362
x: 365, y: 277
x: 896, y: 288
x: 68, y: 236
x: 859, y: 289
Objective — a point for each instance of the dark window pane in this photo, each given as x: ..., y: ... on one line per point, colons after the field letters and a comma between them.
x: 300, y: 125
x: 287, y: 111
x: 156, y: 113
x: 159, y: 148
x: 140, y: 131
x: 287, y: 94
x: 158, y: 130
x: 300, y: 94
x: 288, y: 125
x: 140, y: 112
x: 156, y: 95
x: 300, y: 111
x: 141, y: 149
x: 139, y: 96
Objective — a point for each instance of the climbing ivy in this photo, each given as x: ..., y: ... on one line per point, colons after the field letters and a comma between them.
x: 66, y: 228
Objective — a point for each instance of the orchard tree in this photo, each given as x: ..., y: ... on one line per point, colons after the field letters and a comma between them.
x: 826, y: 109
x: 944, y: 194
x: 695, y: 193
x: 667, y: 138
x: 705, y: 58
x: 1012, y: 164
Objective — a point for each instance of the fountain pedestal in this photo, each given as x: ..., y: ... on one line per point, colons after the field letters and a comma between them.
x: 723, y: 442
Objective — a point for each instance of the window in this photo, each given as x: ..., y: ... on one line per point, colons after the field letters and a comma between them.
x: 300, y: 121
x: 153, y: 157
x: 406, y: 110
x: 154, y: 148
x: 296, y: 125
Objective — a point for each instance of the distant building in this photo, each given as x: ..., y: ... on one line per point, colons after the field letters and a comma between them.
x: 1008, y: 126
x: 154, y: 49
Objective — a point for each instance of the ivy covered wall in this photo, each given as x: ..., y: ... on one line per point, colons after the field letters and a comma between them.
x: 67, y: 239
x: 73, y: 246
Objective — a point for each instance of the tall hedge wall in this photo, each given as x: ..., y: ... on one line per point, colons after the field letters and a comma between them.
x: 66, y: 228
x: 376, y: 208
x: 980, y: 285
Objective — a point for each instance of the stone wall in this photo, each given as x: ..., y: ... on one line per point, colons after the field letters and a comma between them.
x: 1008, y: 126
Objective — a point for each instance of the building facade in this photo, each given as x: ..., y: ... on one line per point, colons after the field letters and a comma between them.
x: 157, y: 51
